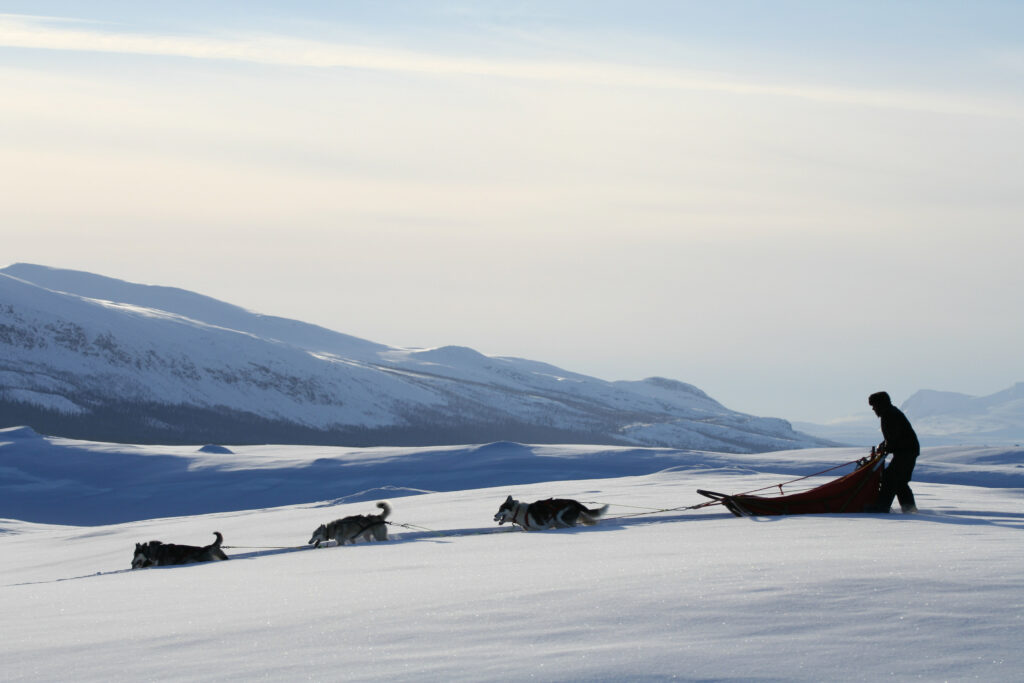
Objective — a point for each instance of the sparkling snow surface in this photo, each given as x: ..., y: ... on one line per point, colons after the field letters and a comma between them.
x: 644, y: 595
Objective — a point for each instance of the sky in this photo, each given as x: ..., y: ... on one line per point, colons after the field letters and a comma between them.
x: 788, y: 204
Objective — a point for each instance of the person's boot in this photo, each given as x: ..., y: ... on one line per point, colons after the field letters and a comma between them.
x: 908, y: 509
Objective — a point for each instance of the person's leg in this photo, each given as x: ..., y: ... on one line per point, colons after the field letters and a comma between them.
x: 903, y: 468
x: 906, y: 498
x: 888, y: 491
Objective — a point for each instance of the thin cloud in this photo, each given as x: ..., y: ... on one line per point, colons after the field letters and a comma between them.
x: 48, y: 33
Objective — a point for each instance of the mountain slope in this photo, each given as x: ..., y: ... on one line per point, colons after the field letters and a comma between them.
x: 92, y: 357
x: 955, y: 416
x: 941, y: 418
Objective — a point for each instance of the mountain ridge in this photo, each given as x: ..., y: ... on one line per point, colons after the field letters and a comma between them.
x: 93, y: 357
x: 941, y: 418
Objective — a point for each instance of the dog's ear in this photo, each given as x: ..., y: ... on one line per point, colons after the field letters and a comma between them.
x: 509, y: 500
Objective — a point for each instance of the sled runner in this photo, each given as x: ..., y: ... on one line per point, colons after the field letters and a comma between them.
x: 850, y: 493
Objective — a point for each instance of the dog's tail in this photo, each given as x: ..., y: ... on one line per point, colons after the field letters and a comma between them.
x: 386, y: 510
x: 589, y: 517
x: 215, y: 553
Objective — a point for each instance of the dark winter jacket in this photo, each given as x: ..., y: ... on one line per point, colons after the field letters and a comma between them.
x: 898, y: 434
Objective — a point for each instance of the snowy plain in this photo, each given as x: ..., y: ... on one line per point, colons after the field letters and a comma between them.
x: 655, y: 591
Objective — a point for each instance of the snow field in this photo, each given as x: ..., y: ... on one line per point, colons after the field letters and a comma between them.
x: 695, y: 595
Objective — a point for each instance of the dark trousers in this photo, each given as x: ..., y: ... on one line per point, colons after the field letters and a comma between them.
x: 896, y: 480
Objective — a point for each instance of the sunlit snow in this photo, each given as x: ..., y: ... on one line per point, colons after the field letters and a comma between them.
x: 655, y: 591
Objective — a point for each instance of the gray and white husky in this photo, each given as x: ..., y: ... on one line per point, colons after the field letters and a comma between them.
x: 159, y: 554
x: 350, y: 529
x: 558, y: 513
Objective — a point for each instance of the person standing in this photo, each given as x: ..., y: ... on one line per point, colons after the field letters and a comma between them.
x: 900, y: 440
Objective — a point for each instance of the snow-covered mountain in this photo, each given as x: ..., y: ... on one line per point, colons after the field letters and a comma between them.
x: 941, y: 418
x: 92, y: 357
x: 952, y: 416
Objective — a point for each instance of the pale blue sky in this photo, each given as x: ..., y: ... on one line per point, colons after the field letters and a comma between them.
x: 788, y: 204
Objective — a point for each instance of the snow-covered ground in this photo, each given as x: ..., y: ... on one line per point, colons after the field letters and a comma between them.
x: 644, y: 595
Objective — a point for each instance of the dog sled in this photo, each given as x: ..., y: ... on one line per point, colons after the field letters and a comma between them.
x: 850, y: 493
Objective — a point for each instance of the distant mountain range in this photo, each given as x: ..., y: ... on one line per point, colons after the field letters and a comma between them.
x: 90, y: 357
x: 942, y: 418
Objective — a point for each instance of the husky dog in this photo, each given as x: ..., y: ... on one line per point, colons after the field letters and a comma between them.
x: 157, y: 554
x: 559, y: 513
x: 354, y: 527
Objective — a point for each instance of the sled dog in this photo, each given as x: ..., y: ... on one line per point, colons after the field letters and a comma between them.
x: 350, y: 529
x: 556, y: 513
x: 158, y: 554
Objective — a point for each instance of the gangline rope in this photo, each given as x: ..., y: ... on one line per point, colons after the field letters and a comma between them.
x: 643, y: 511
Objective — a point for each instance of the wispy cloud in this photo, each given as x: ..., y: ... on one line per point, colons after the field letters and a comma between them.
x: 48, y: 33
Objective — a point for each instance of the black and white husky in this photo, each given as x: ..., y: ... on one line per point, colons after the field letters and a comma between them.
x: 158, y: 554
x: 350, y: 529
x: 556, y: 513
